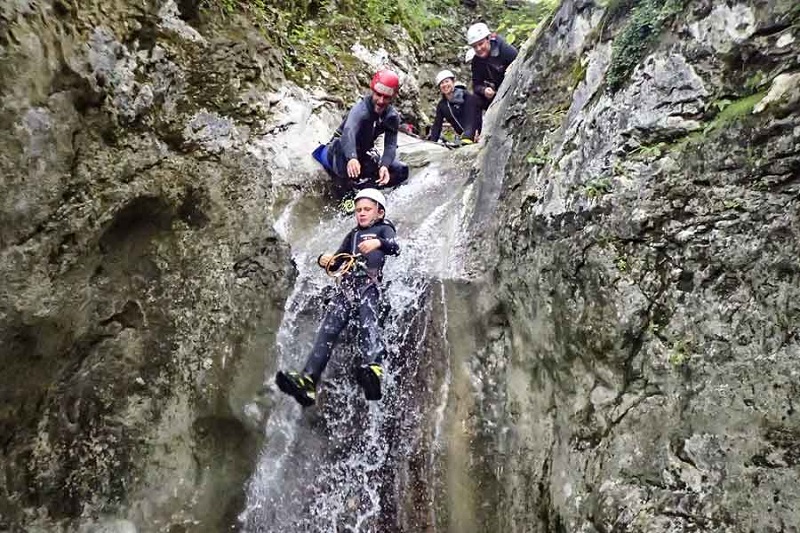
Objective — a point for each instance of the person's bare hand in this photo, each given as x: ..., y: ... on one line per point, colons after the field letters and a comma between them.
x: 368, y: 245
x: 489, y: 93
x: 353, y: 168
x: 324, y: 260
x: 383, y: 176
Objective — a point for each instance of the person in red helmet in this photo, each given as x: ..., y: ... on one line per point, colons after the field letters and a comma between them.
x: 350, y: 157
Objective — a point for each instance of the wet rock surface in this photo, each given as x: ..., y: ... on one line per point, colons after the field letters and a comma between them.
x: 647, y: 243
x: 142, y: 279
x: 620, y: 354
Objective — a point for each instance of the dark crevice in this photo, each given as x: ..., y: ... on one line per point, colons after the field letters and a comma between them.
x: 137, y: 223
x: 191, y: 210
x: 766, y: 31
x: 131, y: 316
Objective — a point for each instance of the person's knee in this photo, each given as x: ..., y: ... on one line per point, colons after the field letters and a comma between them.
x: 398, y: 173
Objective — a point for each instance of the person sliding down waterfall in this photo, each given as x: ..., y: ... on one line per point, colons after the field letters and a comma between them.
x: 350, y: 157
x: 360, y: 259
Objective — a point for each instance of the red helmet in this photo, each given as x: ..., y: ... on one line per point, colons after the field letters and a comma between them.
x: 385, y: 82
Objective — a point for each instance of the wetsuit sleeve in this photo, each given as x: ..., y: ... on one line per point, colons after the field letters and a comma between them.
x: 472, y: 113
x: 390, y: 141
x: 389, y: 245
x: 477, y: 79
x: 507, y: 53
x: 436, y: 129
x: 350, y: 130
x: 343, y: 248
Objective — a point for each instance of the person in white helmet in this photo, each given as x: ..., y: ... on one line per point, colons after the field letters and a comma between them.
x: 359, y: 294
x: 492, y: 57
x: 459, y: 107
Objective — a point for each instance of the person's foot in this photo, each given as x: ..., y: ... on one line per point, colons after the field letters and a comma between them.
x: 369, y: 377
x: 300, y: 386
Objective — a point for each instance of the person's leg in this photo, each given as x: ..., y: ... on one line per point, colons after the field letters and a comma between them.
x: 483, y: 102
x: 478, y: 125
x: 342, y: 185
x: 370, y: 164
x: 372, y: 349
x: 398, y: 173
x: 336, y: 318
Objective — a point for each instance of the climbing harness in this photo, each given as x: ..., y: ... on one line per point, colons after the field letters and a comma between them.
x: 352, y: 291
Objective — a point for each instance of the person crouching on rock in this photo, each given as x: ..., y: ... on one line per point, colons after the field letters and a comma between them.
x: 361, y: 256
x: 351, y: 155
x: 492, y: 57
x: 459, y: 107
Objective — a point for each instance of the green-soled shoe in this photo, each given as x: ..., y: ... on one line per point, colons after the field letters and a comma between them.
x: 369, y: 377
x: 347, y: 206
x: 300, y: 386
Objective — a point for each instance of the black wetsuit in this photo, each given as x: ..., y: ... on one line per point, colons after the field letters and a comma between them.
x: 462, y: 111
x: 355, y: 139
x: 491, y: 70
x: 359, y: 291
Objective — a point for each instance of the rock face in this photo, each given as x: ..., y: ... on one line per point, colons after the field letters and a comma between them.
x: 142, y: 279
x: 642, y: 175
x: 627, y: 361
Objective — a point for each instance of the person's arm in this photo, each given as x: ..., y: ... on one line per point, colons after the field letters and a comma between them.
x: 478, y: 86
x: 390, y: 140
x: 507, y: 53
x: 343, y: 248
x: 389, y: 245
x: 349, y: 131
x: 436, y: 129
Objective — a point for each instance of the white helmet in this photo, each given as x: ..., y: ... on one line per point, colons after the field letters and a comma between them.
x: 443, y: 75
x: 477, y: 32
x: 373, y: 194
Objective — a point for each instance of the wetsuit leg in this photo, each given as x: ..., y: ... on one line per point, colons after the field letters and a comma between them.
x: 398, y: 173
x: 341, y: 183
x: 336, y: 318
x: 483, y: 102
x: 369, y: 337
x: 370, y: 164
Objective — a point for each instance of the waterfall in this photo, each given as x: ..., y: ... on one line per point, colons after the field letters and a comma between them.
x: 347, y: 464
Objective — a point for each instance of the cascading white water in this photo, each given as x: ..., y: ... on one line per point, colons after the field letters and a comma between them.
x: 330, y: 468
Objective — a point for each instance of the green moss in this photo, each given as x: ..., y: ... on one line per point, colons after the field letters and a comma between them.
x: 648, y: 19
x: 598, y: 187
x: 539, y: 156
x: 679, y: 355
x: 649, y: 151
x: 754, y: 82
x: 578, y: 71
x: 735, y: 110
x: 518, y: 24
x: 615, y: 8
x: 730, y: 111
